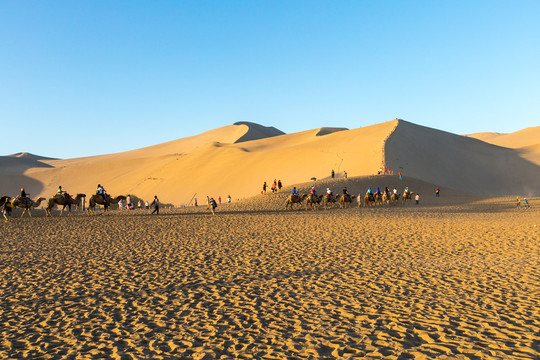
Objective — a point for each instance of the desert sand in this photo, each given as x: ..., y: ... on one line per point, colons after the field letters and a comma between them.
x: 455, y: 277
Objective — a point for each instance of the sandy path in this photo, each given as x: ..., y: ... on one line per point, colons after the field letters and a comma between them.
x: 417, y: 282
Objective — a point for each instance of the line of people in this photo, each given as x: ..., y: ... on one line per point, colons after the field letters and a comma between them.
x: 276, y: 186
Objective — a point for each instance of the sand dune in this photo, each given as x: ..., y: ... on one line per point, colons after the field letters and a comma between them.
x: 460, y: 162
x: 216, y: 163
x: 526, y: 142
x: 235, y: 160
x: 519, y: 139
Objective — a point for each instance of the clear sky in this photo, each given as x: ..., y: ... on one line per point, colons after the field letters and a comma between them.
x: 82, y: 78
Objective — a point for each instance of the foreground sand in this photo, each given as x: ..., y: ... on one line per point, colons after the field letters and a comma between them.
x: 457, y: 281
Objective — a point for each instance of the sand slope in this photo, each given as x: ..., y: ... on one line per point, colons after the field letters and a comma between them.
x: 460, y: 162
x: 235, y: 160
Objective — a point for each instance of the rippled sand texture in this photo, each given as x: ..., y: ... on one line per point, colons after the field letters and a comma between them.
x: 395, y: 283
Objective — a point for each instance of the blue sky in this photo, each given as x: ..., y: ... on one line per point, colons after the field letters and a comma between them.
x: 103, y: 77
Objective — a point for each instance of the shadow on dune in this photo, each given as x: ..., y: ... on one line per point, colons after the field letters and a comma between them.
x: 12, y: 177
x: 460, y: 162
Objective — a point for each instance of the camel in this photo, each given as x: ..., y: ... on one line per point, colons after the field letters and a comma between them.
x: 329, y: 201
x: 406, y: 197
x: 369, y: 199
x: 4, y: 199
x: 394, y: 199
x: 98, y: 200
x: 345, y: 201
x: 61, y: 200
x: 295, y: 200
x: 385, y: 199
x: 313, y: 201
x: 17, y: 202
x: 378, y: 199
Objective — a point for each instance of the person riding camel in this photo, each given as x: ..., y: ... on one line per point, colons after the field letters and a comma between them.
x: 346, y: 192
x: 294, y: 193
x: 101, y: 191
x: 25, y: 199
x: 395, y: 191
x: 378, y: 191
x: 313, y: 191
x: 62, y: 193
x: 369, y: 191
x: 407, y: 190
x: 328, y: 192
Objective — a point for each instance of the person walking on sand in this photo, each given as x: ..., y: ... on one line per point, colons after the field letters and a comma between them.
x: 139, y: 205
x: 518, y: 202
x: 526, y: 203
x: 195, y: 202
x: 7, y: 208
x: 213, y: 206
x: 155, y: 203
x: 264, y: 187
x: 279, y: 185
x: 147, y: 205
x: 345, y: 174
x: 229, y: 199
x: 437, y: 192
x: 417, y: 198
x: 219, y: 199
x: 332, y: 173
x: 207, y: 202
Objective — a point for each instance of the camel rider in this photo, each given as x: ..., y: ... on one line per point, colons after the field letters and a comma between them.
x: 294, y: 193
x: 395, y: 191
x: 313, y: 191
x: 346, y: 192
x: 407, y: 190
x: 328, y: 192
x: 369, y: 191
x: 24, y: 197
x: 101, y: 191
x: 378, y: 191
x: 62, y: 193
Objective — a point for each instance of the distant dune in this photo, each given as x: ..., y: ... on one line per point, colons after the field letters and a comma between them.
x: 29, y: 156
x: 256, y: 132
x: 526, y: 141
x: 236, y: 159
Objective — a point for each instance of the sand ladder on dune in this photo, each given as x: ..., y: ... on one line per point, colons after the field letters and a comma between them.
x: 190, y: 201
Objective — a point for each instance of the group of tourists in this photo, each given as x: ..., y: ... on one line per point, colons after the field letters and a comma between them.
x: 276, y: 186
x: 526, y: 204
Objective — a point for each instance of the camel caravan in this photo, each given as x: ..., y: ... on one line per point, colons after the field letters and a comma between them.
x: 314, y: 201
x: 60, y: 199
